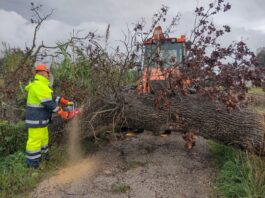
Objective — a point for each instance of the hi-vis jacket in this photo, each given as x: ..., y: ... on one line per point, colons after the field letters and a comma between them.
x: 40, y: 102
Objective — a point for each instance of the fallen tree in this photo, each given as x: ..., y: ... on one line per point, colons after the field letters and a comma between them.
x: 243, y: 128
x: 104, y: 74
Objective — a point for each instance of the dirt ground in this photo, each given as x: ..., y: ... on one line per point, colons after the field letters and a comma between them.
x: 145, y: 166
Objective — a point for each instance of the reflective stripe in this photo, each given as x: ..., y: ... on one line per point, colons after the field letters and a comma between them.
x: 45, y: 150
x: 45, y: 121
x: 33, y: 157
x: 32, y: 121
x: 35, y: 105
x: 46, y: 100
x: 56, y: 109
x: 37, y: 121
x: 57, y: 99
x: 33, y: 152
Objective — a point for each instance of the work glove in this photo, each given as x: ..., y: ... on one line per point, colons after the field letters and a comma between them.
x: 63, y: 114
x: 64, y: 101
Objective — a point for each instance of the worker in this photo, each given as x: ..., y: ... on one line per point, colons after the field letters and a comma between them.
x: 41, y: 103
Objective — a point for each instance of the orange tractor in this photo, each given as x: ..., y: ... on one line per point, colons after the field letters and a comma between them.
x: 162, y: 57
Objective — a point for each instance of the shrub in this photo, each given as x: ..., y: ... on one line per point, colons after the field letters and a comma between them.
x: 12, y: 137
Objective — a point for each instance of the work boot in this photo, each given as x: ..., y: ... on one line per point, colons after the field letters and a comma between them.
x: 32, y: 164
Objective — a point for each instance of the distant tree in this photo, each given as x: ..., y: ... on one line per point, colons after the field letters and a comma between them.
x: 261, y: 56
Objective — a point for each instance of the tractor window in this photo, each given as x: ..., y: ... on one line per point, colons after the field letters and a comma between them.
x: 150, y: 55
x: 169, y: 53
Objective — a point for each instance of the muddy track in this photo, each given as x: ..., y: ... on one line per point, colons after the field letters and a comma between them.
x: 145, y: 166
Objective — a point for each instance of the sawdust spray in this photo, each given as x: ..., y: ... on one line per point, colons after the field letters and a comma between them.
x: 74, y: 141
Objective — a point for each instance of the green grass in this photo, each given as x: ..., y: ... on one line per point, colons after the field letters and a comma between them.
x: 131, y: 77
x: 134, y: 164
x: 259, y: 108
x: 17, y: 180
x: 240, y: 174
x: 257, y: 94
x: 120, y: 188
x: 15, y: 177
x: 256, y: 91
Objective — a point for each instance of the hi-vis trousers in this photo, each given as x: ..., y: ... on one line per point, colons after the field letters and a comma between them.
x: 37, y: 145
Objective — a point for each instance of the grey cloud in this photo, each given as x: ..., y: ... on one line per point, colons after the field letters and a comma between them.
x: 254, y: 39
x: 245, y: 18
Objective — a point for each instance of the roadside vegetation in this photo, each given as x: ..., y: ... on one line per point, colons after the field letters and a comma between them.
x: 239, y: 174
x: 17, y: 180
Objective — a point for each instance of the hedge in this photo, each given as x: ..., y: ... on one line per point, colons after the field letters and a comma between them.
x: 13, y: 137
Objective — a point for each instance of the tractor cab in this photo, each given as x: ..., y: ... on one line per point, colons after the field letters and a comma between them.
x: 161, y: 56
x: 169, y: 54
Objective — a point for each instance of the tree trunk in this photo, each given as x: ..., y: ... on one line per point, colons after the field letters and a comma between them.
x: 242, y: 128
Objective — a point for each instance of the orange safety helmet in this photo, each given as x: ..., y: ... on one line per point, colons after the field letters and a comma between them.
x: 42, y: 67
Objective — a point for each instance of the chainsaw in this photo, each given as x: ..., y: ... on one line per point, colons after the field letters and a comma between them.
x: 72, y: 110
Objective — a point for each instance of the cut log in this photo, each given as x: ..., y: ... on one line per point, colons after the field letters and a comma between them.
x: 241, y: 128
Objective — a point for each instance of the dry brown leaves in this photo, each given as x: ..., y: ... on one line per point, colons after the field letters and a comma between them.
x: 190, y: 138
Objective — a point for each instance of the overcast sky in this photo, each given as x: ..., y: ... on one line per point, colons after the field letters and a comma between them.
x: 246, y: 18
